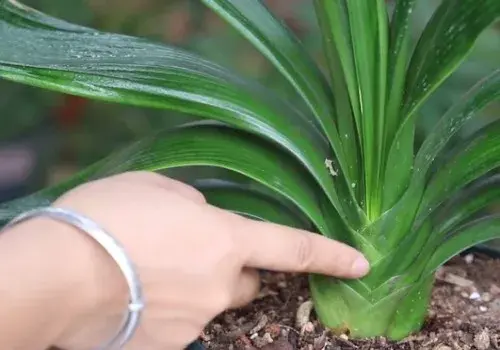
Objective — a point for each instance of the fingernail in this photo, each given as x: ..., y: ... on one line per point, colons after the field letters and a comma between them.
x: 361, y: 266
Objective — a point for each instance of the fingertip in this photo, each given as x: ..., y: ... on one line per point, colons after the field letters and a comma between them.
x: 360, y: 267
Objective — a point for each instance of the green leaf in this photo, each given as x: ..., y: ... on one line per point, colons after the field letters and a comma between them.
x: 467, y: 203
x: 381, y: 73
x: 365, y: 23
x: 411, y: 313
x: 466, y: 108
x: 399, y: 53
x: 133, y: 71
x: 334, y: 23
x: 399, y: 233
x: 467, y: 236
x: 355, y: 36
x: 445, y: 43
x: 397, y: 222
x: 233, y: 191
x: 398, y: 164
x: 476, y: 157
x: 399, y: 168
x: 244, y: 201
x: 339, y: 59
x: 256, y: 23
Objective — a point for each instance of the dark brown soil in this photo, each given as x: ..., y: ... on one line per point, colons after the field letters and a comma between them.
x: 464, y: 315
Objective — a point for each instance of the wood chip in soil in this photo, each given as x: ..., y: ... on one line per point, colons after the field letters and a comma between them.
x: 464, y: 315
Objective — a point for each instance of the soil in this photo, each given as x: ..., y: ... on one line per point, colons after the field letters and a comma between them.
x: 464, y: 315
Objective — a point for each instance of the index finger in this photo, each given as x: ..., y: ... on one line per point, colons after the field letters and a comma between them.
x: 279, y: 248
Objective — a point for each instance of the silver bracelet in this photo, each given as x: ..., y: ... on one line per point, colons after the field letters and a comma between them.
x: 116, y: 251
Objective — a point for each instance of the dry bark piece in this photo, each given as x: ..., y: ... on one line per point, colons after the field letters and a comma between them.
x: 454, y: 279
x: 303, y: 314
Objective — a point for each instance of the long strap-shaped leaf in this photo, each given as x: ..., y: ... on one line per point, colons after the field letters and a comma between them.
x: 38, y: 50
x: 397, y: 223
x: 356, y: 39
x: 256, y: 23
x: 445, y: 43
x: 368, y: 26
x: 398, y: 165
x: 399, y: 53
x: 438, y: 250
x: 476, y: 157
x: 468, y: 203
x: 238, y: 193
x: 334, y: 23
x: 338, y: 53
x: 474, y: 233
x: 249, y: 203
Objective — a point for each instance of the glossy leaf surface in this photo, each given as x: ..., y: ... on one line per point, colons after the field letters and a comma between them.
x: 338, y: 54
x: 254, y: 21
x: 467, y: 203
x: 445, y: 43
x: 469, y: 235
x: 476, y: 158
x: 250, y: 204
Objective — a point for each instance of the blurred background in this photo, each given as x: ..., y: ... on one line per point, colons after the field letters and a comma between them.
x: 46, y: 137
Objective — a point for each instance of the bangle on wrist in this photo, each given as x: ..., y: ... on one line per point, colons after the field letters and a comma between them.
x: 117, y: 253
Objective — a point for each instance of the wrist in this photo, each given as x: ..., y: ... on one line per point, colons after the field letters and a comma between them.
x: 66, y: 277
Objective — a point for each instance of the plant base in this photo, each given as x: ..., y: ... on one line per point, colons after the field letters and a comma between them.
x: 355, y: 312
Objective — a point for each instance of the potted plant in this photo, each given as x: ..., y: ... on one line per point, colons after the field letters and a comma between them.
x: 340, y: 158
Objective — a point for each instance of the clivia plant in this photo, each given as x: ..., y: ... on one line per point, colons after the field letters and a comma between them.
x: 340, y: 158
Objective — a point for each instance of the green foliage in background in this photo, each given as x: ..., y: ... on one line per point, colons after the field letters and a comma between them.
x: 340, y: 158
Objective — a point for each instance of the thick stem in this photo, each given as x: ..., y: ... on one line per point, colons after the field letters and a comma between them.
x: 394, y: 312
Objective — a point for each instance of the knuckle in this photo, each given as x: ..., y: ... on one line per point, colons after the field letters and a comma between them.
x: 304, y: 252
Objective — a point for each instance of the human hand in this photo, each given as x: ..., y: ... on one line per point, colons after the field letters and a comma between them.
x: 194, y: 260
